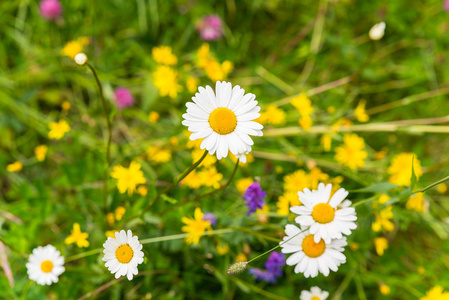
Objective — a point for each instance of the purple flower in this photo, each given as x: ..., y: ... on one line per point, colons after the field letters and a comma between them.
x: 210, y: 28
x: 264, y: 275
x: 254, y: 197
x: 123, y: 97
x: 211, y: 218
x: 275, y: 262
x: 50, y: 9
x: 446, y: 5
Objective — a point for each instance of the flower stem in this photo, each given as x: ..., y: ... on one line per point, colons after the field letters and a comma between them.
x: 434, y: 184
x: 109, y: 136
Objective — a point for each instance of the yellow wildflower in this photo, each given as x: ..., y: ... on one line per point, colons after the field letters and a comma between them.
x: 153, y: 117
x: 40, y: 152
x: 381, y: 200
x: 195, y: 227
x: 381, y: 244
x: 326, y: 142
x: 331, y: 110
x: 65, y: 105
x: 354, y: 246
x: 222, y: 249
x: 383, y: 220
x: 163, y: 55
x: 210, y: 177
x: 316, y: 176
x: 142, y: 190
x: 416, y: 203
x: 401, y: 169
x: 174, y: 141
x: 243, y: 184
x: 285, y: 201
x: 128, y: 178
x: 192, y: 180
x: 303, y: 104
x: 384, y: 289
x: 360, y: 112
x: 265, y: 209
x: 111, y: 233
x: 442, y: 188
x: 208, y: 161
x: 166, y: 80
x: 421, y: 270
x: 351, y: 154
x: 296, y: 181
x: 78, y: 237
x: 272, y: 115
x: 14, y: 167
x: 158, y: 154
x: 110, y: 218
x: 436, y: 293
x: 58, y: 130
x: 216, y: 71
x: 119, y: 212
x: 305, y: 122
x: 192, y: 84
x: 72, y: 48
x: 380, y: 154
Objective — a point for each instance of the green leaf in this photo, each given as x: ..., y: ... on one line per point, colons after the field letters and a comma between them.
x: 169, y: 199
x: 380, y: 187
x: 413, y: 179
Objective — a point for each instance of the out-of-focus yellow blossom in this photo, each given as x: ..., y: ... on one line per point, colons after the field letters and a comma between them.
x: 380, y: 154
x: 265, y: 209
x: 340, y: 123
x: 210, y: 177
x: 360, y: 112
x: 326, y: 142
x: 153, y: 117
x: 421, y: 270
x: 354, y: 246
x: 384, y: 289
x: 128, y: 178
x: 78, y: 237
x: 335, y: 181
x: 192, y: 180
x: 416, y: 203
x: 40, y: 152
x: 192, y: 84
x: 285, y: 201
x: 119, y: 212
x: 442, y: 188
x: 272, y: 115
x: 142, y: 190
x: 58, y: 130
x: 174, y: 141
x: 158, y: 154
x: 14, y: 167
x: 296, y: 181
x: 436, y: 293
x: 203, y: 54
x: 208, y: 161
x: 401, y: 169
x: 72, y: 48
x: 110, y: 218
x: 383, y: 220
x: 240, y: 257
x: 305, y: 122
x: 111, y: 233
x: 195, y: 227
x: 381, y: 244
x: 166, y: 80
x: 303, y: 104
x: 66, y: 105
x: 351, y: 153
x: 278, y: 169
x: 381, y: 200
x: 222, y: 248
x: 243, y: 183
x: 331, y: 110
x: 163, y: 55
x: 213, y: 69
x: 316, y: 176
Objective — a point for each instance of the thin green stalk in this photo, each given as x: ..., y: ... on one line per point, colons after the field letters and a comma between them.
x: 25, y: 290
x: 109, y: 135
x: 434, y: 184
x: 83, y: 254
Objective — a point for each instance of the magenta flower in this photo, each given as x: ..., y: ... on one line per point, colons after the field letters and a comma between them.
x: 210, y: 28
x: 446, y: 5
x: 50, y: 9
x: 123, y: 97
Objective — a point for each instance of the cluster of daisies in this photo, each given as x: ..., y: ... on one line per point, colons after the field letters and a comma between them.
x: 122, y: 254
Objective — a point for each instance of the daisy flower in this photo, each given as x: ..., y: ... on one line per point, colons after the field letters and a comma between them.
x: 324, y: 217
x: 122, y: 254
x: 45, y: 264
x: 315, y: 294
x: 309, y: 257
x: 224, y: 119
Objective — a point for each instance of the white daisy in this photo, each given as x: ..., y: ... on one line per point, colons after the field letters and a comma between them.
x: 45, y: 264
x: 242, y: 156
x: 123, y: 254
x: 324, y: 217
x: 224, y: 119
x: 310, y: 257
x: 315, y: 294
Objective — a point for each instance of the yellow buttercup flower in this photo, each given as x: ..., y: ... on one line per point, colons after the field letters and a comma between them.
x: 163, y: 55
x: 296, y: 181
x: 192, y: 180
x: 14, y: 167
x: 401, y: 169
x: 384, y: 289
x: 305, y: 122
x: 381, y: 200
x: 213, y: 69
x: 58, y: 130
x: 110, y: 218
x: 153, y: 117
x: 111, y: 233
x: 243, y: 183
x: 119, y: 212
x: 303, y: 104
x: 78, y: 237
x: 360, y: 112
x: 158, y: 154
x: 195, y: 227
x: 192, y: 84
x: 416, y: 203
x: 142, y: 190
x: 210, y: 177
x: 222, y: 249
x: 436, y: 293
x: 40, y: 152
x: 383, y: 220
x: 326, y: 142
x: 66, y: 105
x: 128, y: 178
x: 166, y: 80
x: 285, y: 201
x: 240, y: 257
x: 380, y: 154
x: 72, y: 48
x: 316, y: 176
x: 442, y: 188
x: 272, y: 115
x: 351, y: 154
x: 381, y: 244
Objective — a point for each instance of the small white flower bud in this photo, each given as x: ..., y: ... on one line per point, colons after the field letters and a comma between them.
x: 80, y: 59
x: 377, y: 31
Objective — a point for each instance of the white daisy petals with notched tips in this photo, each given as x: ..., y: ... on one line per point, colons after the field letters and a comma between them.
x: 45, y: 265
x: 123, y: 254
x: 314, y: 292
x: 309, y: 257
x: 224, y: 119
x: 326, y: 218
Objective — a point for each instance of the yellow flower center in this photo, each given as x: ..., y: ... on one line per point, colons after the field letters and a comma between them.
x: 312, y: 249
x: 46, y: 266
x: 223, y: 120
x: 124, y: 253
x: 323, y: 213
x: 315, y: 298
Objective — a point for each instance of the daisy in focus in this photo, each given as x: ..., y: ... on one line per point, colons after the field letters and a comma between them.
x: 45, y: 265
x: 309, y: 257
x: 224, y: 119
x: 323, y: 215
x: 195, y: 227
x: 315, y: 293
x: 122, y: 254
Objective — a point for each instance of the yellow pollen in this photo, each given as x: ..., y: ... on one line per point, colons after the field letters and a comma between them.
x: 315, y: 298
x: 124, y: 253
x: 46, y: 266
x: 312, y: 249
x: 223, y: 120
x: 323, y: 213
